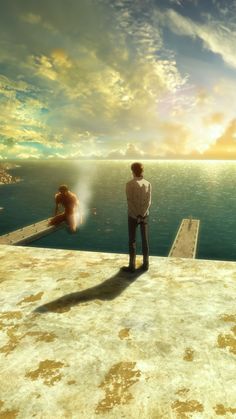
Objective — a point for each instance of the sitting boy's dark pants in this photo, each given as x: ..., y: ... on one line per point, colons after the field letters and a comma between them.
x: 132, y: 226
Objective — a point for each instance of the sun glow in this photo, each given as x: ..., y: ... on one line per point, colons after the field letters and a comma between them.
x: 215, y: 131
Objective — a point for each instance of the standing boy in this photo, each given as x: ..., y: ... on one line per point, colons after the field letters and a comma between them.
x: 138, y: 192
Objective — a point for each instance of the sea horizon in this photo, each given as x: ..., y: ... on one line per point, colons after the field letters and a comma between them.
x: 120, y: 160
x: 180, y: 189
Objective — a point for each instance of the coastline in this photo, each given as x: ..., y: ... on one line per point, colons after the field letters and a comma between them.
x: 5, y: 177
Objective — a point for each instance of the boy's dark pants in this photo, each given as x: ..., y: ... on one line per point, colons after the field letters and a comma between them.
x: 132, y: 226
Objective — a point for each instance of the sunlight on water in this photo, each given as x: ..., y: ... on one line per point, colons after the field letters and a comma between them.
x: 204, y: 189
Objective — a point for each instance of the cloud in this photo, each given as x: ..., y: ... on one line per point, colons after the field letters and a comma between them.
x: 23, y: 115
x: 175, y: 138
x: 31, y: 18
x: 52, y: 67
x: 130, y: 151
x: 217, y: 38
x: 96, y: 79
x: 225, y: 146
x: 22, y: 152
x: 3, y: 147
x: 9, y: 86
x: 182, y: 2
x: 36, y: 19
x: 117, y: 73
x: 174, y: 144
x: 103, y: 71
x: 214, y: 118
x: 44, y: 67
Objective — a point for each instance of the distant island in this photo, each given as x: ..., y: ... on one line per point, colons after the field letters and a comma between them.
x: 5, y: 177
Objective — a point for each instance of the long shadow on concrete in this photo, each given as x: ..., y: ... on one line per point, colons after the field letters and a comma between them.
x: 107, y: 290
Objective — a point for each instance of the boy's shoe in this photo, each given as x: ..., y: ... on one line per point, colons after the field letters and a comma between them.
x: 129, y: 269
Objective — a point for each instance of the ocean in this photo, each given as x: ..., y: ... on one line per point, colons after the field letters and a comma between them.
x: 203, y: 189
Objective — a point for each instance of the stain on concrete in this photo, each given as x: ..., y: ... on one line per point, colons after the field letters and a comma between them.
x: 42, y: 336
x: 25, y: 264
x: 13, y: 341
x: 95, y: 263
x: 9, y: 315
x: 234, y: 330
x: 227, y: 341
x: 33, y: 263
x: 8, y: 414
x: 163, y: 347
x: 62, y: 279
x: 185, y: 408
x: 116, y: 385
x: 98, y: 302
x: 31, y: 298
x: 124, y: 333
x: 182, y: 391
x: 71, y: 382
x: 221, y: 410
x: 228, y: 317
x: 48, y: 371
x: 188, y: 355
x: 84, y: 274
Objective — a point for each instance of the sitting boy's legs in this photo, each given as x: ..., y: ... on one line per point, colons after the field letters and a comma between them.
x: 58, y: 219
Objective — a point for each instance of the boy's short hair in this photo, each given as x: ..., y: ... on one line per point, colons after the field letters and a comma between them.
x: 63, y: 188
x: 137, y: 168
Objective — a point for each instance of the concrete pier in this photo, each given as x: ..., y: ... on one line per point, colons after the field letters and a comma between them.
x: 29, y: 233
x: 81, y: 339
x: 185, y: 243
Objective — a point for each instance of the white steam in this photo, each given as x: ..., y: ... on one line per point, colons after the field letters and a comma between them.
x: 84, y: 190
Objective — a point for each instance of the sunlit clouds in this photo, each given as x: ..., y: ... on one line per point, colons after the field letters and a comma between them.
x: 118, y: 80
x: 216, y: 33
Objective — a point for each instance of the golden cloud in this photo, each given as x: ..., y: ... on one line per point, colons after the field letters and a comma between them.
x: 60, y: 58
x: 202, y: 97
x: 119, y: 83
x: 130, y: 151
x: 214, y: 118
x: 31, y: 18
x: 224, y: 148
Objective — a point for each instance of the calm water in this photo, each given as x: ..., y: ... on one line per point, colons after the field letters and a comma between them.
x: 206, y: 190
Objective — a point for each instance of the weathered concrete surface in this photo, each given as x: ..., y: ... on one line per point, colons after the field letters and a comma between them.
x: 78, y: 339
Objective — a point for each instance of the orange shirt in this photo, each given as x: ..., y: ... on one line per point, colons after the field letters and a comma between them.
x: 68, y: 201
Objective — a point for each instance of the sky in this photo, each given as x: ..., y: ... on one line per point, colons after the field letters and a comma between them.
x: 118, y: 79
